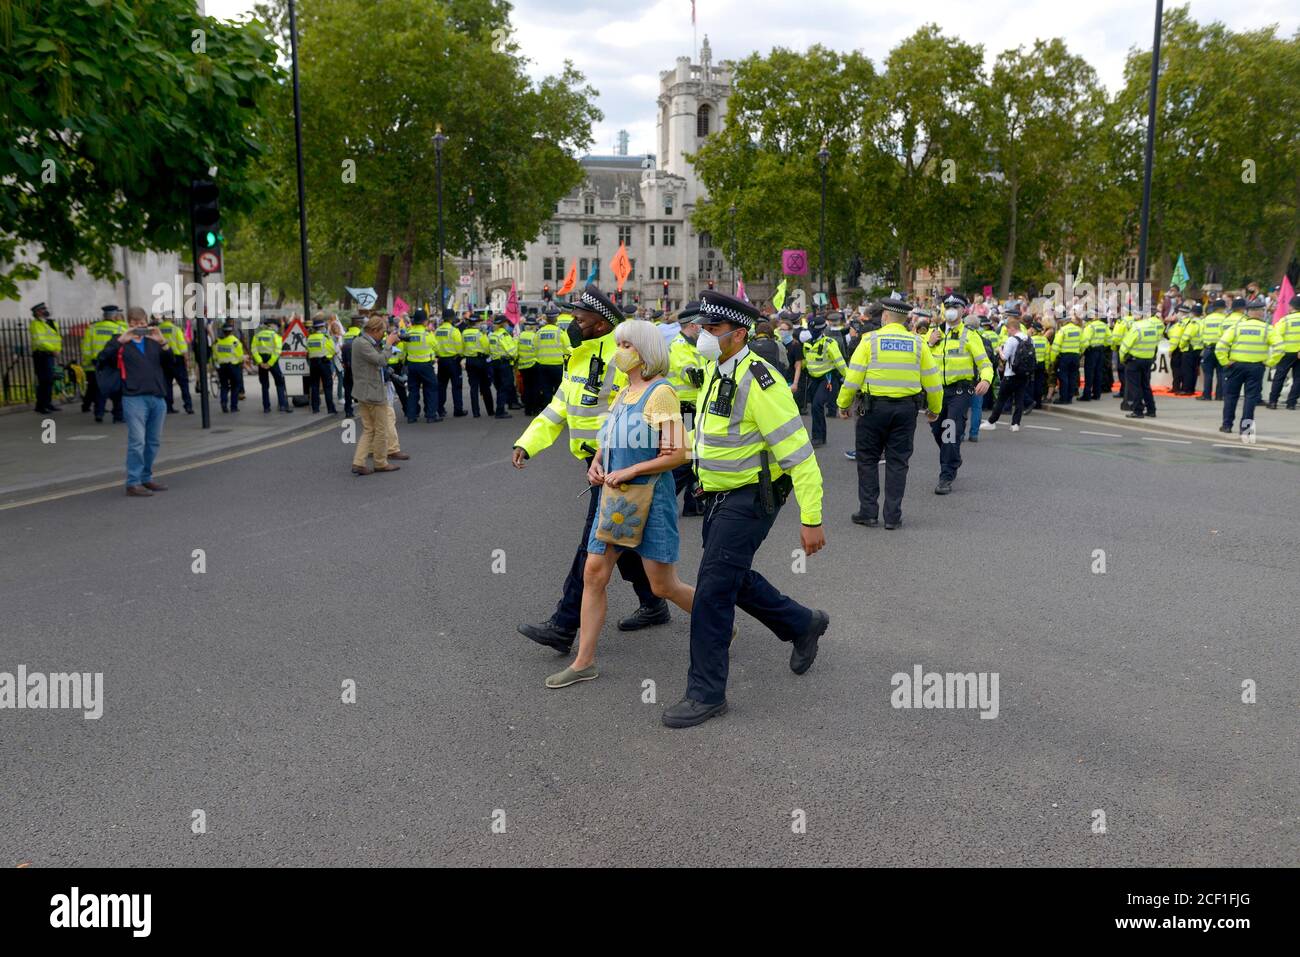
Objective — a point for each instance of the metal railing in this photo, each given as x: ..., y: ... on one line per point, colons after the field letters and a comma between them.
x: 17, y: 376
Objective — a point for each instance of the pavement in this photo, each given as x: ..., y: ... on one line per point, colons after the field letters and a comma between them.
x: 37, y: 459
x: 1120, y: 689
x: 1188, y: 416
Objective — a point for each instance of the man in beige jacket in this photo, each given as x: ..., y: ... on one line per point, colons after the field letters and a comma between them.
x: 370, y: 355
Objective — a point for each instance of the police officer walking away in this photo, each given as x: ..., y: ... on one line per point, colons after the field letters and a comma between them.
x: 46, y: 344
x: 1242, y: 352
x: 1138, y: 353
x: 892, y: 368
x: 228, y: 354
x: 965, y: 371
x: 750, y: 451
x: 821, y: 359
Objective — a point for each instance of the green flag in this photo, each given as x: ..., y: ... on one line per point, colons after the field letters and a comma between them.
x: 1180, y: 278
x: 778, y: 298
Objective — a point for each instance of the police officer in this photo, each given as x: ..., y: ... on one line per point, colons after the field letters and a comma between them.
x: 475, y: 348
x: 395, y: 372
x: 1043, y: 353
x: 175, y: 367
x: 1117, y: 333
x: 345, y: 356
x: 320, y: 363
x: 228, y: 354
x: 552, y: 348
x: 1211, y: 331
x: 891, y: 368
x: 110, y: 325
x: 965, y: 371
x: 266, y: 349
x: 1190, y: 348
x: 416, y: 346
x: 750, y: 451
x: 500, y: 348
x: 448, y: 346
x: 1284, y: 355
x: 1096, y: 350
x: 821, y: 357
x: 581, y: 404
x: 1138, y: 352
x: 1242, y: 351
x: 686, y: 374
x: 46, y: 343
x: 1066, y: 348
x: 526, y: 360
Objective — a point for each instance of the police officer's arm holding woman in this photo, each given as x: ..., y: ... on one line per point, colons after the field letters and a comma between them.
x: 751, y: 450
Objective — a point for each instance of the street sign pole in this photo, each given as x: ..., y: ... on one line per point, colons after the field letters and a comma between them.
x: 302, y: 190
x: 200, y: 327
x: 1150, y: 153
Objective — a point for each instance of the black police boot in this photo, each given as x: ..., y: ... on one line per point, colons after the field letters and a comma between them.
x: 890, y: 526
x: 547, y: 634
x: 688, y: 713
x: 1270, y: 405
x: 645, y: 616
x: 1226, y: 429
x: 944, y: 487
x: 860, y: 518
x: 805, y: 646
x: 503, y: 415
x: 459, y: 415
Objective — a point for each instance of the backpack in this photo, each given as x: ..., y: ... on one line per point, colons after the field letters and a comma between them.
x: 1024, y: 361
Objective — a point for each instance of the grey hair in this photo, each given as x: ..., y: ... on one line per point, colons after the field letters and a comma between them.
x: 648, y: 342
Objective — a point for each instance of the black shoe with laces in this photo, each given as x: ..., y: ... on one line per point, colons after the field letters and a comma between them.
x: 645, y: 617
x: 687, y: 713
x: 547, y: 634
x: 804, y: 651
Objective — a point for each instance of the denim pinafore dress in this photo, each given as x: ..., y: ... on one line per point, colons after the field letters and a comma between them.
x: 627, y: 439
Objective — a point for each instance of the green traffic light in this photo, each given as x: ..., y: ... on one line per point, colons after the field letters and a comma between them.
x: 209, y: 239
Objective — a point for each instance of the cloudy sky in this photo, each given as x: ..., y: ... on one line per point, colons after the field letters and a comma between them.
x: 622, y: 47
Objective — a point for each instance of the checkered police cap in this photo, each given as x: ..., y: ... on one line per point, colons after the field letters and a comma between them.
x: 593, y: 300
x: 720, y: 307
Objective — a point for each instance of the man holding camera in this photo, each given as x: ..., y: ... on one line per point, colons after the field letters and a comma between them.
x: 139, y: 355
x: 370, y: 353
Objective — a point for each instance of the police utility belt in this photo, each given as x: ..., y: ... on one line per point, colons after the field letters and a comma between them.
x: 867, y: 401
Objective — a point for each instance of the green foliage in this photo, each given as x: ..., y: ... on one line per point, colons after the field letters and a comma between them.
x: 109, y: 108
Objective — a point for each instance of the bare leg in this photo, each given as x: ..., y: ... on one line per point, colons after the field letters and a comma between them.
x: 595, y: 578
x: 665, y: 583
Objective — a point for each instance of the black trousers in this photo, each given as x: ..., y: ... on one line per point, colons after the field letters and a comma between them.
x: 1093, y: 358
x: 1012, y: 393
x: 529, y: 375
x: 1137, y: 373
x: 735, y: 525
x: 230, y: 376
x: 92, y: 390
x: 43, y: 363
x: 888, y: 426
x: 1213, y: 373
x: 549, y: 378
x: 449, y: 372
x: 503, y: 378
x: 176, y: 370
x: 421, y: 383
x: 568, y: 613
x: 956, y: 406
x: 1287, y: 364
x: 480, y: 383
x: 265, y: 377
x: 819, y: 394
x: 1067, y: 372
x: 347, y: 390
x: 321, y: 371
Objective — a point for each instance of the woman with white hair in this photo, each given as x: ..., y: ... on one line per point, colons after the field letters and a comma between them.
x: 640, y: 443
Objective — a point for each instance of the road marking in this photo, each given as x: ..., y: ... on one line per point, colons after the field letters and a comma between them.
x: 1044, y: 428
x: 86, y: 438
x: 1151, y: 438
x: 1109, y: 435
x: 119, y: 483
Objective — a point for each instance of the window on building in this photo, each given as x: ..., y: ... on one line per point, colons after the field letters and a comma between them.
x: 583, y: 266
x: 589, y: 235
x: 652, y: 234
x: 702, y: 120
x: 595, y: 265
x: 546, y: 269
x: 677, y: 272
x: 670, y: 235
x: 553, y: 234
x: 631, y: 276
x: 588, y: 205
x: 668, y: 207
x: 706, y: 241
x: 624, y: 206
x: 559, y: 268
x: 625, y: 236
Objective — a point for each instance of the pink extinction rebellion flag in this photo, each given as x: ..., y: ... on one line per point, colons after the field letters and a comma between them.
x: 512, y: 305
x: 740, y: 288
x: 400, y: 306
x: 1283, y: 299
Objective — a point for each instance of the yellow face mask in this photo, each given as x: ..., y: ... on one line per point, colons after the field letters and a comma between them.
x: 625, y: 360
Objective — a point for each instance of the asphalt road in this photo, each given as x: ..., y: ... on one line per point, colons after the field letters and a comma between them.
x: 1118, y: 692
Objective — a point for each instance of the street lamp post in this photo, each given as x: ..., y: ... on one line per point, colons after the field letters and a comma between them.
x: 473, y: 252
x: 732, y: 257
x: 1150, y: 154
x: 823, y: 157
x: 438, y: 140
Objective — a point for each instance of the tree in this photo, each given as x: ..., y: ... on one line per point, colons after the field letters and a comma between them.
x: 109, y: 110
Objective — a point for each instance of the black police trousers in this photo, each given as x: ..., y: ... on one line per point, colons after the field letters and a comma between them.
x: 568, y: 613
x: 264, y: 379
x: 1137, y: 373
x: 449, y: 371
x: 889, y: 426
x: 735, y: 525
x: 956, y: 406
x: 480, y: 383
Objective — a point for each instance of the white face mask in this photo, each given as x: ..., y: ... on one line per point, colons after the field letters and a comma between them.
x: 708, y: 346
x: 950, y: 315
x: 805, y: 335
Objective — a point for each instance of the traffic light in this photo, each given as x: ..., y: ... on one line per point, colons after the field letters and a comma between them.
x: 205, y: 214
x: 710, y: 283
x: 546, y: 292
x: 665, y: 288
